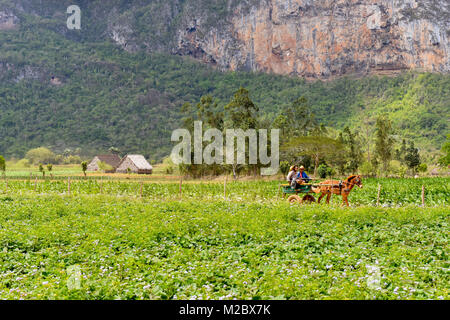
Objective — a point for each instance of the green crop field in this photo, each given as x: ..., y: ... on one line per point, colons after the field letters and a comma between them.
x: 394, y: 192
x: 103, y: 241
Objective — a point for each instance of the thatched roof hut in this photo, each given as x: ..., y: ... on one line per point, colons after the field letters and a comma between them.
x: 111, y: 159
x: 135, y: 163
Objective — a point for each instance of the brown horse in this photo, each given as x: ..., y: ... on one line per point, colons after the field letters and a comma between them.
x: 342, y: 188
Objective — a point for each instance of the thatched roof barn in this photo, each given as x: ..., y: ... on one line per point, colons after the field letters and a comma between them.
x: 135, y: 164
x: 111, y: 159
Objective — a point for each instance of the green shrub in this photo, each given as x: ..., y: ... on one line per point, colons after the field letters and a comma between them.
x: 2, y: 164
x: 367, y: 169
x: 422, y: 168
x: 284, y: 167
x: 72, y: 160
x: 40, y: 155
x: 325, y: 171
x: 23, y: 163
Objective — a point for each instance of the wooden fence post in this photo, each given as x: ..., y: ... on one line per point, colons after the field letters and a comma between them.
x: 378, y: 196
x: 101, y: 184
x: 225, y: 188
x: 141, y: 188
x: 68, y: 185
x: 423, y: 196
x: 181, y: 182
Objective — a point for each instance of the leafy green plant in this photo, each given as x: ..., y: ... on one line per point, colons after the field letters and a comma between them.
x: 325, y: 171
x: 422, y: 167
x: 136, y: 249
x: 445, y: 160
x: 84, y: 166
x: 2, y: 164
x: 50, y: 169
x: 41, y: 169
x: 284, y: 167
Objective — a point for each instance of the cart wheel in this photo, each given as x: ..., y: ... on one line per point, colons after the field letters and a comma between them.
x: 294, y: 199
x: 308, y: 199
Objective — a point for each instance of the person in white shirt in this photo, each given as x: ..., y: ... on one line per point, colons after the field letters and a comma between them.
x: 292, y: 176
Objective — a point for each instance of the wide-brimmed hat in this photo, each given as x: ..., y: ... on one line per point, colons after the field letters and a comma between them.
x: 302, y: 168
x: 292, y: 168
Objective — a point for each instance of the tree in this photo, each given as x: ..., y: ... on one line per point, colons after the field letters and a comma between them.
x: 403, y: 150
x: 422, y: 168
x: 67, y: 152
x: 297, y: 119
x: 375, y: 165
x: 208, y: 112
x: 2, y: 165
x: 367, y: 130
x: 341, y: 163
x: 49, y: 169
x: 241, y: 114
x: 367, y: 169
x: 400, y: 153
x: 282, y: 123
x: 412, y: 157
x: 84, y: 166
x: 325, y: 171
x: 353, y: 150
x: 40, y: 155
x: 114, y: 150
x: 242, y: 111
x: 384, y: 141
x: 317, y: 147
x: 23, y: 163
x: 397, y: 155
x: 284, y: 167
x: 41, y: 169
x: 445, y: 160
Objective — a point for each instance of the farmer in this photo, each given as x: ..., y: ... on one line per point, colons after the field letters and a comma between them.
x: 302, y: 175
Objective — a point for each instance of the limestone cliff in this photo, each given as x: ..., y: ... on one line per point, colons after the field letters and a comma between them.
x: 8, y: 20
x: 325, y: 38
x: 308, y: 38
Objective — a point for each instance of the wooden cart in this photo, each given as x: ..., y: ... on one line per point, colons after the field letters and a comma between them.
x: 293, y: 194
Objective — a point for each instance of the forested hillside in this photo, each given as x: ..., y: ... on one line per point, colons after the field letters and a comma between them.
x: 62, y: 93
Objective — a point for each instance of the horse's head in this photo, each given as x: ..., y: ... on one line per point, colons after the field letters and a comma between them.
x: 356, y: 180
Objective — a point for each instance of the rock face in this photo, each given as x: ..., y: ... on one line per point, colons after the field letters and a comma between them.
x: 308, y: 38
x: 8, y: 20
x: 325, y: 38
